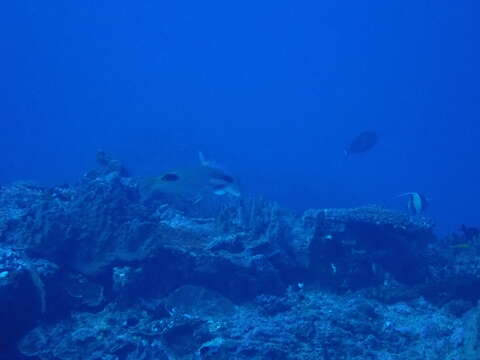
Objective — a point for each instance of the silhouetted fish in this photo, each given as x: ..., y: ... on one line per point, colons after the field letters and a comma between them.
x: 362, y: 142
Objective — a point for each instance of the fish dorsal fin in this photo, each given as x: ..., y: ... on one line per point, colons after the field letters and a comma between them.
x: 203, y: 161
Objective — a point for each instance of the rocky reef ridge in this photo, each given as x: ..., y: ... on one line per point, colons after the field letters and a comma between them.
x: 91, y: 271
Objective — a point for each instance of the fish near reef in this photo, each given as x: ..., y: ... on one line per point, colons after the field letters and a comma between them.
x: 193, y: 183
x: 417, y: 203
x: 362, y: 143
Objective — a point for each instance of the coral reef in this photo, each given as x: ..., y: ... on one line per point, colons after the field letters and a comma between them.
x: 91, y: 271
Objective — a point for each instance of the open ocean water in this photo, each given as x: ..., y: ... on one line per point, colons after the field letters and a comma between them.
x: 272, y: 94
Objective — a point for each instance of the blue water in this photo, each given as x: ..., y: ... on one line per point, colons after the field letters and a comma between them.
x: 273, y: 90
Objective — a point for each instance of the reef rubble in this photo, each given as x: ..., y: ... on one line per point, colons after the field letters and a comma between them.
x: 91, y: 271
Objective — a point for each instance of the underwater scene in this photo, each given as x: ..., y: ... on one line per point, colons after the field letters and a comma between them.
x: 222, y: 180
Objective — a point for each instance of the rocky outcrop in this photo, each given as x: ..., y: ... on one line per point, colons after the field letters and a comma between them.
x: 98, y: 273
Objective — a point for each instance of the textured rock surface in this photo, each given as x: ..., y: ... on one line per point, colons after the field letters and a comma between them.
x: 90, y: 271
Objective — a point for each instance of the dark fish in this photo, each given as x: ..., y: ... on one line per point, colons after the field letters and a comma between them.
x: 417, y: 203
x: 362, y: 142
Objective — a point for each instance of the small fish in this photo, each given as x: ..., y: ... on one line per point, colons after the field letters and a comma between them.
x: 361, y: 143
x: 192, y: 183
x: 417, y: 203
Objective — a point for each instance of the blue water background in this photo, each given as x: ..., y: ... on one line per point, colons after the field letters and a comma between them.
x: 272, y: 90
